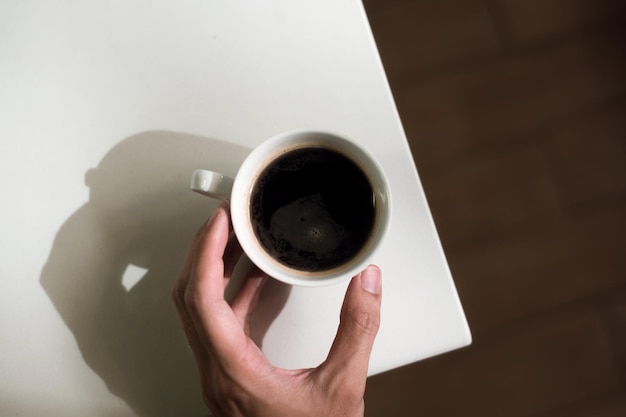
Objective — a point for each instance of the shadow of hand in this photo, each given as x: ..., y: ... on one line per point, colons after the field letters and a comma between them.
x: 140, y: 216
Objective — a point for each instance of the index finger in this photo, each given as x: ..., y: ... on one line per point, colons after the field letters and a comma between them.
x: 212, y: 316
x: 207, y: 268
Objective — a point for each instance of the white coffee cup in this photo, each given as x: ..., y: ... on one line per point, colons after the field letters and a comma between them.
x: 240, y: 192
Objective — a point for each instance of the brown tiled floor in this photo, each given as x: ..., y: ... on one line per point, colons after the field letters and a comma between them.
x: 516, y: 115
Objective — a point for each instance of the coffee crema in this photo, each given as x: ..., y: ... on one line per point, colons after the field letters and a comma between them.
x: 313, y: 209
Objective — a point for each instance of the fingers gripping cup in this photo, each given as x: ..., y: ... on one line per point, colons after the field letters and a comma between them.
x: 308, y: 208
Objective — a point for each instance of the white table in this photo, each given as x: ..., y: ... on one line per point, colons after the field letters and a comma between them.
x: 105, y: 109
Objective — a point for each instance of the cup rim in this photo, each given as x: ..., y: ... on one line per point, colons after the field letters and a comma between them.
x: 254, y: 164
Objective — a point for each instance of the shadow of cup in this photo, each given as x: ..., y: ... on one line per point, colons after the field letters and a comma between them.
x: 114, y: 261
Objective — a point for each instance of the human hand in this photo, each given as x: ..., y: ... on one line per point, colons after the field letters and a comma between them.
x: 237, y: 379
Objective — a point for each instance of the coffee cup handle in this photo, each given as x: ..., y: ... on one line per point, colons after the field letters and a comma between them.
x: 212, y: 184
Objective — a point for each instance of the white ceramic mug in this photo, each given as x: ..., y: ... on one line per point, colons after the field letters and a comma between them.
x: 240, y: 190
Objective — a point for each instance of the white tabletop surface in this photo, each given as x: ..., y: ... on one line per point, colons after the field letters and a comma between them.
x: 105, y: 110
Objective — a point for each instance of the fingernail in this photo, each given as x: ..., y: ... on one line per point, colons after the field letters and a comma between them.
x: 211, y: 218
x: 371, y: 280
x: 225, y: 205
x: 262, y: 281
x: 222, y: 206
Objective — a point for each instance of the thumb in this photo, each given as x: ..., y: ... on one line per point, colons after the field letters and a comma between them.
x: 360, y: 319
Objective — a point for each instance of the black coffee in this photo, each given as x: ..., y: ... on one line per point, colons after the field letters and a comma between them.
x: 312, y: 209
